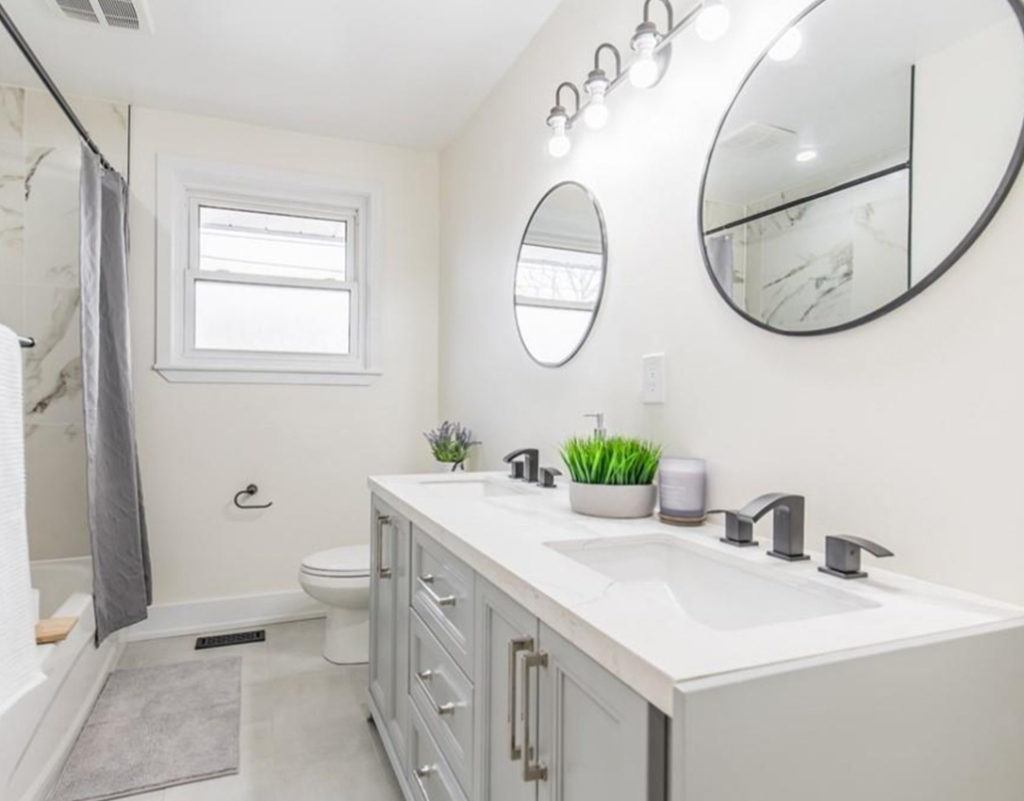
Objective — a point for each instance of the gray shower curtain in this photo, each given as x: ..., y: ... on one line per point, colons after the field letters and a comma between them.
x: 122, y: 585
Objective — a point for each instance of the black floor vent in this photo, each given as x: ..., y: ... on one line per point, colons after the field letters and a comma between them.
x: 237, y: 638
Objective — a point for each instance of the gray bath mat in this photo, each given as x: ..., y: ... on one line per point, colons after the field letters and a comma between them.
x: 156, y: 727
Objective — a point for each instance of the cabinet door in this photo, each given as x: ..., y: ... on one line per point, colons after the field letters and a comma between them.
x: 594, y: 734
x: 504, y: 632
x: 398, y: 722
x: 382, y: 610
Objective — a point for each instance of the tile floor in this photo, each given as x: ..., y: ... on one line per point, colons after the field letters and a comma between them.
x: 304, y: 730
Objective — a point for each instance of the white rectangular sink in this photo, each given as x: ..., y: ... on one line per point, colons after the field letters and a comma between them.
x: 717, y: 591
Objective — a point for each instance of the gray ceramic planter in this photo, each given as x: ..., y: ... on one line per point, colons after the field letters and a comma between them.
x: 606, y: 500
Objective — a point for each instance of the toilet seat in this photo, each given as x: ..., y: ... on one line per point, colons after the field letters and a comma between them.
x: 350, y: 561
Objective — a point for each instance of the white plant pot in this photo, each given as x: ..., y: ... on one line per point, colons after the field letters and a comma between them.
x: 606, y: 500
x: 446, y: 467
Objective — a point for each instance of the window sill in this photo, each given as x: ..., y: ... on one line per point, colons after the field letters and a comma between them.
x: 244, y: 375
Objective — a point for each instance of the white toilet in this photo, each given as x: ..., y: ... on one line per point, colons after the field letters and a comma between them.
x: 340, y: 579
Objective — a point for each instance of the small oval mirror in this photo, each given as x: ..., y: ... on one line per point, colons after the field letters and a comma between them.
x: 560, y: 274
x: 864, y: 154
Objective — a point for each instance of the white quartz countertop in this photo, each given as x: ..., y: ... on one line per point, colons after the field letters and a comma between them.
x: 639, y: 630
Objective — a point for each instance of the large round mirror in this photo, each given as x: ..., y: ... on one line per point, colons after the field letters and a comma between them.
x: 865, y: 153
x: 560, y: 274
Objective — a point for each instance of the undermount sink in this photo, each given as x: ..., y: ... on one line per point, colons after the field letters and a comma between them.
x: 471, y: 487
x: 714, y: 590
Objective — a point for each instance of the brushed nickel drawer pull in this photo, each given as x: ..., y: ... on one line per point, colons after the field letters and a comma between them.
x: 382, y: 572
x: 532, y: 771
x: 441, y: 709
x: 514, y: 648
x: 420, y: 774
x: 440, y: 600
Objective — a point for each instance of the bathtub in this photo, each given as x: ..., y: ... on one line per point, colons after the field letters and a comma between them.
x: 37, y: 732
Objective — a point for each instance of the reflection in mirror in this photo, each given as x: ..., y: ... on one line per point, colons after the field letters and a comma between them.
x: 862, y: 157
x: 560, y: 274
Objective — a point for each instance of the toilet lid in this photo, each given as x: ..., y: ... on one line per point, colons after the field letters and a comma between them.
x: 351, y: 560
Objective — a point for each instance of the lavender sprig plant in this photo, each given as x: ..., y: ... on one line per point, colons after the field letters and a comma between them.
x: 450, y: 443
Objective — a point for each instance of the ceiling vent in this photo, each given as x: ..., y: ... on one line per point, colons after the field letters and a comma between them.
x: 132, y: 15
x: 756, y: 137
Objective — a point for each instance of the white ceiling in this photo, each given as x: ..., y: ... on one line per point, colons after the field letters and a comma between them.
x: 406, y: 72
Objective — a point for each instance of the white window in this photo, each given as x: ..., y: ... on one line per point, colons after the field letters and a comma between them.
x: 263, y: 278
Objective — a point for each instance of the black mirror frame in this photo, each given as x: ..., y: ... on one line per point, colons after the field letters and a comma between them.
x: 604, y: 273
x: 1002, y: 191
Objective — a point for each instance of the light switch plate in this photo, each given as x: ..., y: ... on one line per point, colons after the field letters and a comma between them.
x: 654, y: 378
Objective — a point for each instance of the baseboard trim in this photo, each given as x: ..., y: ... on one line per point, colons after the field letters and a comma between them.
x: 218, y: 615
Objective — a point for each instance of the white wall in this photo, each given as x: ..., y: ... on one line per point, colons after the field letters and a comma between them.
x: 967, y: 119
x: 309, y: 448
x: 907, y: 430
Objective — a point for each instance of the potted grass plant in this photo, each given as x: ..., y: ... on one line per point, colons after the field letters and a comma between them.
x: 612, y: 476
x: 451, y: 444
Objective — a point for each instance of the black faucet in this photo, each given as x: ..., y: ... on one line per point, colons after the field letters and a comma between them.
x: 531, y: 456
x: 788, y: 525
x: 842, y: 556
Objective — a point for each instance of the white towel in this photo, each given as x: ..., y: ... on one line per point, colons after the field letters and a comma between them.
x: 19, y: 668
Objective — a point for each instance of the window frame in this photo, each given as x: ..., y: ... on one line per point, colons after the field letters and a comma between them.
x: 185, y: 186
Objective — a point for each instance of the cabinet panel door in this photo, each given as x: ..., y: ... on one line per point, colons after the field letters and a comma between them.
x: 382, y: 609
x: 398, y: 722
x: 592, y: 730
x: 504, y: 631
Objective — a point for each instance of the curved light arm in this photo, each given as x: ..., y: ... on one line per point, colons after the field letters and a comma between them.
x: 614, y: 51
x: 668, y: 8
x: 575, y: 93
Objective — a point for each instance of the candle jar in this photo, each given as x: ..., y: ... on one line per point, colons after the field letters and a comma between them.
x: 682, y: 490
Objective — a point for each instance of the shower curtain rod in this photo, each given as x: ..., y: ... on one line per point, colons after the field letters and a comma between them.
x: 44, y: 76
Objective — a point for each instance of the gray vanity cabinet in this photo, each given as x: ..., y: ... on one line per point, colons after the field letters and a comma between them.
x: 475, y: 698
x: 389, y: 623
x: 599, y: 740
x: 590, y: 737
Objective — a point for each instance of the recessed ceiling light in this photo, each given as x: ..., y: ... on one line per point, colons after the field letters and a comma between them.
x: 788, y: 46
x: 807, y: 155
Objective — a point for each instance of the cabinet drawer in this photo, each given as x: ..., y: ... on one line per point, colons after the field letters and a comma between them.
x: 429, y: 776
x: 444, y: 697
x: 443, y: 594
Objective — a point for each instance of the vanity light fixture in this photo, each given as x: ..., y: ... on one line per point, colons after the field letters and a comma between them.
x: 559, y: 122
x: 709, y: 17
x: 788, y: 46
x: 595, y: 113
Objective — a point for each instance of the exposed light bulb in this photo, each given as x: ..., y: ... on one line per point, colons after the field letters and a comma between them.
x: 713, y: 21
x: 645, y: 70
x: 559, y: 144
x: 596, y: 114
x: 788, y: 46
x: 810, y: 154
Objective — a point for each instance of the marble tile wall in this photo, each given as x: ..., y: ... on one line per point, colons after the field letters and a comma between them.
x: 829, y: 261
x: 39, y: 297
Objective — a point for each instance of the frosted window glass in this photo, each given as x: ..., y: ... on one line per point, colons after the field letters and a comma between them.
x: 276, y: 319
x: 256, y: 243
x: 551, y: 334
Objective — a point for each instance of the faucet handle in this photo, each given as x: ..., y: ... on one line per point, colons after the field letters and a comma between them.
x: 842, y: 555
x: 547, y: 477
